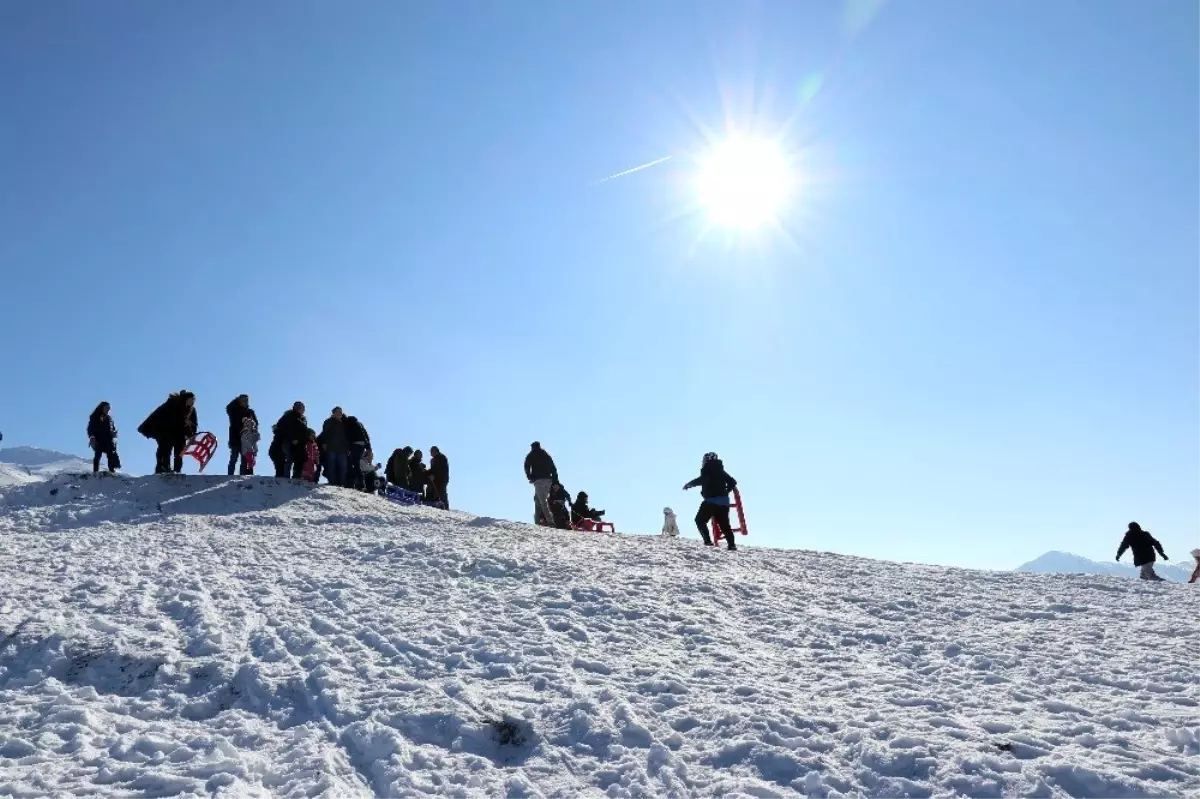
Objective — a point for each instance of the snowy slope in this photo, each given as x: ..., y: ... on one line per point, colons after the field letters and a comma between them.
x: 21, y: 465
x: 261, y: 638
x: 1179, y: 568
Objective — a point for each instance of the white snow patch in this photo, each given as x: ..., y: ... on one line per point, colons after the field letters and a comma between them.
x: 254, y: 637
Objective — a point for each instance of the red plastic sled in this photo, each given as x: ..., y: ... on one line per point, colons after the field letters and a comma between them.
x: 202, y: 448
x: 741, y: 518
x: 589, y: 526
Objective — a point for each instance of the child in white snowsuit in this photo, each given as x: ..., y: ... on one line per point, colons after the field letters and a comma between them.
x: 670, y: 526
x: 249, y: 438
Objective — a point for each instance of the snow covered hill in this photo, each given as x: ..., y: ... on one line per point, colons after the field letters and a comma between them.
x: 21, y: 465
x: 254, y: 637
x: 1180, y: 568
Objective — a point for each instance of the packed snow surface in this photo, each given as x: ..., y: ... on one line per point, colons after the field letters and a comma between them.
x: 21, y: 465
x: 254, y: 637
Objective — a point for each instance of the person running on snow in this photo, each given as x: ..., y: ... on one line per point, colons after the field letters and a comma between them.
x: 249, y: 442
x: 715, y: 484
x: 337, y: 448
x: 291, y: 436
x: 239, y: 410
x: 439, y: 478
x: 560, y: 502
x: 542, y: 474
x: 582, y: 516
x: 102, y: 437
x: 171, y: 425
x: 1143, y: 545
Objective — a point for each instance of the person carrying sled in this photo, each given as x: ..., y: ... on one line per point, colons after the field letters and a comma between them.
x: 542, y: 474
x: 584, y: 517
x: 102, y: 438
x: 337, y: 448
x: 439, y: 477
x: 249, y: 443
x: 560, y: 506
x: 715, y: 484
x: 1143, y: 545
x: 171, y: 425
x: 238, y: 411
x: 290, y: 443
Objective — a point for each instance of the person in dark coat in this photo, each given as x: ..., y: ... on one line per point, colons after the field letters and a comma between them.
x: 1143, y: 545
x: 439, y: 477
x: 102, y: 438
x: 171, y: 425
x: 291, y: 432
x: 715, y: 484
x: 237, y: 410
x: 560, y: 502
x: 542, y: 474
x: 397, y: 468
x: 360, y: 442
x: 417, y: 473
x: 582, y: 515
x: 337, y: 448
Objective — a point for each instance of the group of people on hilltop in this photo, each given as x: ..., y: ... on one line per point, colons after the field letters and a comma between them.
x: 552, y: 505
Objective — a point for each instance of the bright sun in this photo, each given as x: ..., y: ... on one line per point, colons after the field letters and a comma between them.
x: 744, y: 182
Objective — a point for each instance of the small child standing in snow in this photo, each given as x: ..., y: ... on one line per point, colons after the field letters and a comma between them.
x: 250, y: 437
x: 312, y: 454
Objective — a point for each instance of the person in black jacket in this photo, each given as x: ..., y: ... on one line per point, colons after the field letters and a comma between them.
x: 542, y: 474
x: 360, y: 442
x: 291, y: 433
x: 439, y: 477
x: 1143, y: 545
x: 418, y: 473
x: 715, y: 484
x: 238, y: 410
x: 397, y: 468
x: 102, y: 438
x: 337, y: 448
x: 560, y: 501
x: 583, y: 516
x: 171, y: 425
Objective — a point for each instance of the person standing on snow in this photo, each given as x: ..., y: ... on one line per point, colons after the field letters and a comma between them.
x: 360, y: 442
x: 1143, y: 545
x: 715, y: 484
x: 418, y: 474
x: 439, y: 477
x: 249, y: 442
x: 171, y: 425
x: 542, y: 474
x: 397, y: 468
x: 239, y: 410
x: 102, y: 438
x: 291, y: 435
x: 337, y: 448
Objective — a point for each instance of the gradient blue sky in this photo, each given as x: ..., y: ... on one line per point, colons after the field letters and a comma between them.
x: 974, y: 340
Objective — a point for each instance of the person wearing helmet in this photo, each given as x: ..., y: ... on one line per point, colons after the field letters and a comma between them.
x: 715, y: 484
x: 1143, y: 545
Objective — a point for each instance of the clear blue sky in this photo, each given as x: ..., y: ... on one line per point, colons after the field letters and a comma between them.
x: 975, y: 340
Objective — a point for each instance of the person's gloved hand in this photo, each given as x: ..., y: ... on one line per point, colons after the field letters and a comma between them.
x: 1165, y: 557
x: 91, y: 442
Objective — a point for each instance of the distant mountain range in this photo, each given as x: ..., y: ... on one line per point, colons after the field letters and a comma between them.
x: 21, y: 465
x: 1179, y: 568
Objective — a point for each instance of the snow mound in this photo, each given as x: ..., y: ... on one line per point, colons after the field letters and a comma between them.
x: 22, y: 465
x: 257, y: 637
x: 1065, y: 563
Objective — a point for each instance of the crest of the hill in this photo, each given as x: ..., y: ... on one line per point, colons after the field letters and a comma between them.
x: 20, y: 465
x: 172, y: 636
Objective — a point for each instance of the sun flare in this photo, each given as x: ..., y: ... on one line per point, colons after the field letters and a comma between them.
x: 744, y: 183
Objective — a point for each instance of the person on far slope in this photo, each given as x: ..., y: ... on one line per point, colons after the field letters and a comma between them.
x: 1143, y: 545
x: 715, y: 484
x: 542, y: 474
x: 439, y: 477
x: 238, y: 411
x: 102, y: 438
